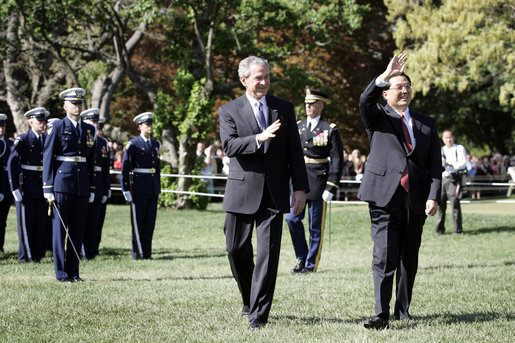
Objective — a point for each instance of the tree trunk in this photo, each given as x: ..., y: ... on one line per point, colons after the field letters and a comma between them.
x: 15, y: 99
x: 186, y: 165
x: 169, y: 147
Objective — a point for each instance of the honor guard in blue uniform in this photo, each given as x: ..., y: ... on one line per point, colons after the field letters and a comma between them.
x: 68, y: 183
x: 25, y: 168
x: 96, y: 209
x: 141, y: 184
x: 5, y: 193
x: 323, y: 153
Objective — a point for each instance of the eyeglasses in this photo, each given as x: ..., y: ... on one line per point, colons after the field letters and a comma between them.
x: 399, y: 88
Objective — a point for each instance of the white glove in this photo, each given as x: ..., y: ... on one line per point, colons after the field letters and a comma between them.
x: 17, y: 195
x: 128, y: 196
x: 1, y: 197
x: 327, y: 196
x: 108, y: 194
x: 91, y: 197
x: 49, y: 197
x: 104, y: 199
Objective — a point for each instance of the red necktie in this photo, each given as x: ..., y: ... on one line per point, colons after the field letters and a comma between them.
x: 407, y: 138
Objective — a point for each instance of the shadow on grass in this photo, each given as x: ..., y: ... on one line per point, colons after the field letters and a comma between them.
x: 491, y: 230
x: 163, y: 254
x: 452, y: 318
x: 468, y: 266
x: 172, y: 278
x: 311, y: 320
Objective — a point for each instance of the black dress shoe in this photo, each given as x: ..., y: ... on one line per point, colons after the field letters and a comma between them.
x: 77, y: 279
x: 65, y: 280
x: 245, y: 310
x: 307, y: 270
x: 256, y: 324
x: 377, y: 323
x: 299, y: 266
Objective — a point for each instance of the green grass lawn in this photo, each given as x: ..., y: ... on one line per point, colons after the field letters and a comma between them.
x: 464, y: 290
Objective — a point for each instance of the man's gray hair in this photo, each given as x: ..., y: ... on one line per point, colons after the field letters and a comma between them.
x: 244, y: 67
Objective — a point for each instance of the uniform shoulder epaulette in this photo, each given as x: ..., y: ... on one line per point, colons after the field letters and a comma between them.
x: 128, y: 145
x: 299, y: 121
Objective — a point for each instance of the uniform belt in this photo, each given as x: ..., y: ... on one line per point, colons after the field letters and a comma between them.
x: 33, y: 168
x: 144, y: 170
x: 97, y: 168
x: 310, y: 160
x: 71, y: 158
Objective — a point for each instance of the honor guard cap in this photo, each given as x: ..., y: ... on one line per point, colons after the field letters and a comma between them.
x: 313, y: 95
x: 3, y: 119
x: 74, y: 95
x: 39, y: 113
x: 144, y: 118
x: 51, y: 122
x: 92, y: 114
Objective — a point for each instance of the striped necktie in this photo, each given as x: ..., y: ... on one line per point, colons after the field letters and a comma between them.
x: 407, y: 138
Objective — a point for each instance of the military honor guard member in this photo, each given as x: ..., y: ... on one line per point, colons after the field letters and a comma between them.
x: 323, y: 153
x: 5, y: 192
x: 25, y: 168
x: 141, y: 184
x: 68, y: 182
x: 96, y: 209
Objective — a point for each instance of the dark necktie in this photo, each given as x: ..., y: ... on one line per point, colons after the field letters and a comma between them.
x: 407, y: 138
x: 149, y: 144
x: 261, y: 118
x: 309, y: 126
x: 41, y: 140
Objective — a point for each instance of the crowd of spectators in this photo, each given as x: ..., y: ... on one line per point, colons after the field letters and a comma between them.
x: 215, y: 163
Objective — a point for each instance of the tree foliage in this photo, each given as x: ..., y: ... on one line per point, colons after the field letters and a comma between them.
x: 461, y: 59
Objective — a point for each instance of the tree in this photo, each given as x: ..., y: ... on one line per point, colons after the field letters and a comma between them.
x: 460, y: 58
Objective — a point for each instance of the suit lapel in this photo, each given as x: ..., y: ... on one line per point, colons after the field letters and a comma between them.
x: 247, y: 114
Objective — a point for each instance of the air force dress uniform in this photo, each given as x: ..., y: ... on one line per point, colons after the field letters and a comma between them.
x: 25, y: 177
x: 68, y: 176
x: 102, y: 183
x: 5, y: 193
x: 141, y: 187
x: 323, y: 153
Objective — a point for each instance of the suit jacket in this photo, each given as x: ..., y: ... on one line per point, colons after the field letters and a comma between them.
x: 27, y: 150
x: 137, y: 154
x: 389, y: 154
x: 277, y: 160
x: 63, y: 139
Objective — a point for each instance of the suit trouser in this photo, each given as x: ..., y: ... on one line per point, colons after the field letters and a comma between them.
x: 297, y: 232
x: 36, y: 223
x: 449, y: 192
x: 146, y: 211
x: 256, y: 282
x: 71, y: 208
x: 91, y: 233
x: 396, y: 232
x: 4, y: 211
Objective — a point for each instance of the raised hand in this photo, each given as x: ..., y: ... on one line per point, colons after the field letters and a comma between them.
x: 395, y: 67
x: 269, y: 132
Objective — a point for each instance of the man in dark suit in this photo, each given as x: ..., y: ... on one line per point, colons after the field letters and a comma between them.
x: 259, y: 134
x: 401, y: 183
x: 323, y: 155
x: 68, y: 183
